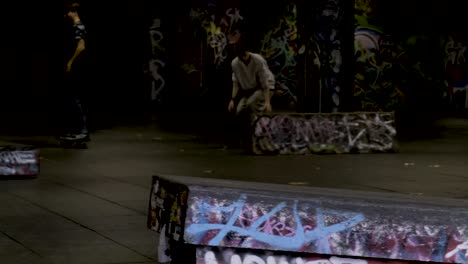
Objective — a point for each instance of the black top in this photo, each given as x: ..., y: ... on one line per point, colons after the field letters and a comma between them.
x: 75, y: 34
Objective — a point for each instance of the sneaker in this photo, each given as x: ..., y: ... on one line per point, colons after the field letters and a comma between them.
x: 84, y: 137
x: 65, y: 136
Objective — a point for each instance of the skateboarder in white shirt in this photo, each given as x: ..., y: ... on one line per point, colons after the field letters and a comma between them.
x: 252, y: 85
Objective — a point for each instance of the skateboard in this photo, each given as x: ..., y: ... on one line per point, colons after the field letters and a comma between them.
x: 73, y: 143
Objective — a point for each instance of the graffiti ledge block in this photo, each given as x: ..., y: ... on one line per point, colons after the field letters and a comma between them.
x: 360, y: 132
x: 241, y: 216
x: 18, y: 160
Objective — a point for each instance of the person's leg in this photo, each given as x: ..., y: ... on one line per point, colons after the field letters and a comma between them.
x: 242, y: 115
x: 78, y: 95
x: 256, y: 103
x: 241, y: 105
x: 256, y: 107
x: 80, y: 117
x: 76, y: 118
x: 66, y: 107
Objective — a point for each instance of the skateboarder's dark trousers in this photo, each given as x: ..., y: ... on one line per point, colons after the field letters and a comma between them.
x: 75, y: 118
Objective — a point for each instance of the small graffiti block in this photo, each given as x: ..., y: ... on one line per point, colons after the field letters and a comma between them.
x: 319, y: 133
x: 167, y: 208
x: 19, y: 161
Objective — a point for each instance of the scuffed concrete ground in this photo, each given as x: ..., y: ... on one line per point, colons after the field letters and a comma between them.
x: 89, y: 206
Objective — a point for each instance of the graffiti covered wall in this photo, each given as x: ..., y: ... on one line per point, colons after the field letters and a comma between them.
x: 207, y: 32
x: 262, y: 222
x: 396, y: 62
x: 156, y: 64
x: 223, y: 22
x: 280, y: 48
x: 221, y: 30
x: 456, y: 72
x: 322, y: 133
x: 159, y: 67
x: 401, y: 61
x: 327, y: 39
x: 375, y: 54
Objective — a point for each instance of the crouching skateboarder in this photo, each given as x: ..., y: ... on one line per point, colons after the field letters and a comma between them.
x: 252, y: 84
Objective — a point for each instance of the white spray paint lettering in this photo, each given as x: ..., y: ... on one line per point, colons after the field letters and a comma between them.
x: 155, y: 64
x: 210, y: 258
x: 17, y: 157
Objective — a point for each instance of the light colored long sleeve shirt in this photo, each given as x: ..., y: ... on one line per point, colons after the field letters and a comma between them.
x: 254, y: 75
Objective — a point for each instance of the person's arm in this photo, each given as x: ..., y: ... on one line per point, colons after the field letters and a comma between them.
x: 235, y: 91
x: 80, y: 35
x: 80, y: 47
x: 267, y: 80
x: 235, y: 81
x: 235, y: 87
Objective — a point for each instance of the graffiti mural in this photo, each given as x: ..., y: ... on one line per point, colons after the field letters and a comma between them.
x: 21, y: 161
x: 208, y: 255
x: 279, y: 48
x: 456, y: 71
x: 281, y: 227
x: 221, y: 30
x: 326, y: 49
x: 156, y: 64
x: 397, y: 63
x: 315, y: 133
x: 374, y: 58
x: 279, y: 37
x: 167, y: 209
x: 263, y: 222
x: 375, y: 55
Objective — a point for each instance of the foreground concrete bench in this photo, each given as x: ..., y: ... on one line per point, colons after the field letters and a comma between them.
x: 216, y: 221
x: 18, y: 160
x: 324, y: 133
